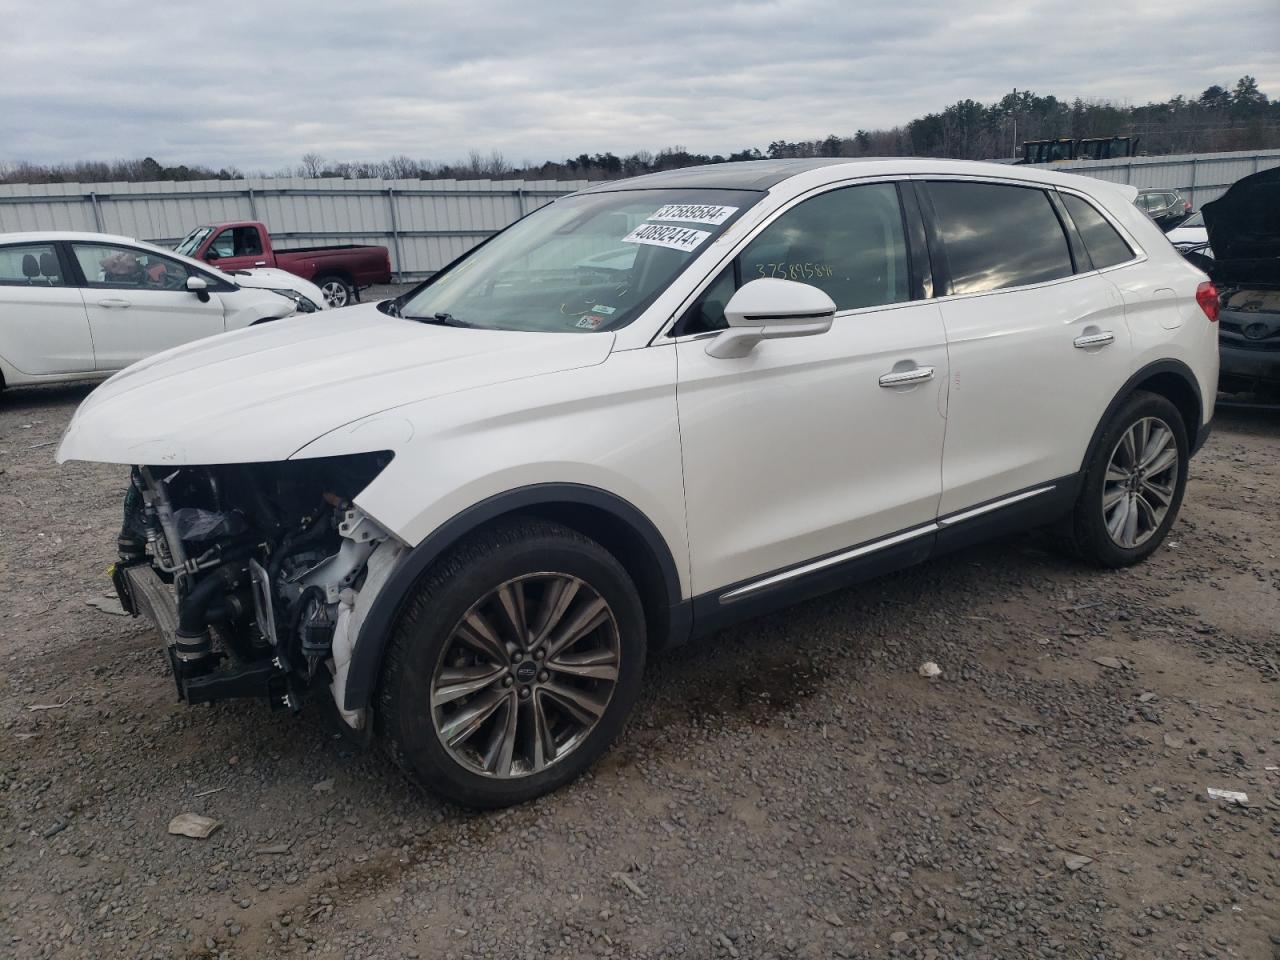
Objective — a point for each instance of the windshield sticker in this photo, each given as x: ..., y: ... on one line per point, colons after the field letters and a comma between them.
x: 589, y: 321
x: 677, y: 238
x: 694, y: 213
x: 601, y: 308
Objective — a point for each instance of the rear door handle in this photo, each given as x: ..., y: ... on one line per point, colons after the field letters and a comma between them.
x: 1094, y: 340
x: 113, y: 302
x: 904, y: 378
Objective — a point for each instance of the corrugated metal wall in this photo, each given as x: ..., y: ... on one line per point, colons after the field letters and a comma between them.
x: 427, y: 223
x: 424, y: 223
x: 1198, y: 177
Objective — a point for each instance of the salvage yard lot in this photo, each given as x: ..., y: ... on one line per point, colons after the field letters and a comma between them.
x: 790, y: 788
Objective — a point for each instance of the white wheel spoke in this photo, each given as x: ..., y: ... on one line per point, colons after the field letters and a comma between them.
x: 497, y: 759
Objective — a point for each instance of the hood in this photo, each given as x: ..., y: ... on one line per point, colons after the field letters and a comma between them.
x: 1244, y: 230
x: 262, y: 393
x: 273, y: 278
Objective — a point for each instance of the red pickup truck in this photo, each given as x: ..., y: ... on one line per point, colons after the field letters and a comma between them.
x: 339, y: 271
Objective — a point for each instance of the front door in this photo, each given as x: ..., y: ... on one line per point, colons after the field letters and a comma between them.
x: 802, y: 449
x: 138, y: 303
x: 43, y: 326
x: 236, y: 248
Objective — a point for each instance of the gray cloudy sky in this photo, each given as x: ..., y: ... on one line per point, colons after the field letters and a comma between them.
x: 258, y: 85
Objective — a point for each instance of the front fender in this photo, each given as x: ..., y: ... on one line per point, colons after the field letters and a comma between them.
x: 365, y: 664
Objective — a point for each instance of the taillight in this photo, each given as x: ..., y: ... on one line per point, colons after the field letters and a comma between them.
x: 1207, y: 297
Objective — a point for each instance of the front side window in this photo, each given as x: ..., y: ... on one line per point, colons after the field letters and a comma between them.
x: 31, y: 265
x: 1106, y: 247
x: 849, y: 243
x: 106, y: 265
x: 588, y: 262
x: 998, y: 236
x: 236, y: 242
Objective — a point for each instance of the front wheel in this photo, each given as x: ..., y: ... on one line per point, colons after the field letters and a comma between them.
x: 1133, y: 487
x: 337, y: 292
x: 514, y: 665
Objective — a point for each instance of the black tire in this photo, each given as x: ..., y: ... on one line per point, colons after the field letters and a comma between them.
x: 425, y: 631
x: 1089, y: 533
x: 338, y: 291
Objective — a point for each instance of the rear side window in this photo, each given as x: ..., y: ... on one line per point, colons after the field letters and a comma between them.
x: 1106, y: 247
x: 998, y: 236
x: 30, y: 265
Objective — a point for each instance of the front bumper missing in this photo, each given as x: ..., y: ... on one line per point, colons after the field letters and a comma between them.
x: 143, y: 593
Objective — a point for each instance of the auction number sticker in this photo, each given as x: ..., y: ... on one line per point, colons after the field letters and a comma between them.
x: 660, y: 235
x: 694, y: 213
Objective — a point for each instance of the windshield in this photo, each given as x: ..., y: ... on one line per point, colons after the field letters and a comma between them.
x: 187, y: 247
x: 587, y: 262
x: 1195, y: 220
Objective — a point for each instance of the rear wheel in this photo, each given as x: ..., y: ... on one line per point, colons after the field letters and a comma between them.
x: 337, y: 291
x: 514, y: 666
x: 1134, y: 485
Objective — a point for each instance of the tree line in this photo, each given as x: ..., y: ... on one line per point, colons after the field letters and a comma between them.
x: 1221, y: 118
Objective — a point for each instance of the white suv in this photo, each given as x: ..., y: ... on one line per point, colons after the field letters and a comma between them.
x: 638, y: 415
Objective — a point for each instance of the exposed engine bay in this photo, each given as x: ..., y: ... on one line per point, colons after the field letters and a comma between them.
x: 254, y: 573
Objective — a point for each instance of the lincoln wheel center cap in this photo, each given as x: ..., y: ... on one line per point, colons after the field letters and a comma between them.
x: 526, y: 671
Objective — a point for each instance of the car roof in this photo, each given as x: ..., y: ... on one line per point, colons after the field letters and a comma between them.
x: 49, y: 236
x: 762, y: 175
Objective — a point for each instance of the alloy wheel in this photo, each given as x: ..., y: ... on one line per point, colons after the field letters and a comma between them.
x: 525, y: 675
x: 1139, y: 485
x: 335, y: 293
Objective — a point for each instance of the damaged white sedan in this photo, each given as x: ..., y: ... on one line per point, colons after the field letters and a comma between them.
x: 639, y: 414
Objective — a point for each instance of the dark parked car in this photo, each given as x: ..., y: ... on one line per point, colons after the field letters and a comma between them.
x: 1244, y: 233
x: 1165, y: 207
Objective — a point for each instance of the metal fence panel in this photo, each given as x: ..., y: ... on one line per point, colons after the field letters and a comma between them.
x: 1198, y: 177
x: 427, y: 223
x: 423, y: 223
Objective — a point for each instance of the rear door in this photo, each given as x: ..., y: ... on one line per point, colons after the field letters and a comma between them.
x: 1037, y: 340
x: 138, y: 303
x: 44, y: 329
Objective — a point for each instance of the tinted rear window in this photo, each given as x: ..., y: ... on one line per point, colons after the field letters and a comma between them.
x: 998, y: 236
x: 1106, y: 247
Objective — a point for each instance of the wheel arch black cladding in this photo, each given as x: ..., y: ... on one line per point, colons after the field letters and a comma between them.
x: 1171, y: 379
x: 615, y: 524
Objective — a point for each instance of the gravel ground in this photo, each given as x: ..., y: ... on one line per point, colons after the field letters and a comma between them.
x: 791, y: 788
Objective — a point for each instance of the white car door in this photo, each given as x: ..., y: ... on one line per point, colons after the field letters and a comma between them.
x: 801, y: 451
x: 1038, y: 343
x: 138, y: 303
x: 43, y: 326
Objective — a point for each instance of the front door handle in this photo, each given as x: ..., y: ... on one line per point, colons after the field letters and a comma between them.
x: 113, y: 302
x: 904, y: 378
x: 1094, y: 340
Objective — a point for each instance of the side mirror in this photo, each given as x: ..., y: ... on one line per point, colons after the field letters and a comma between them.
x: 769, y: 309
x: 200, y: 287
